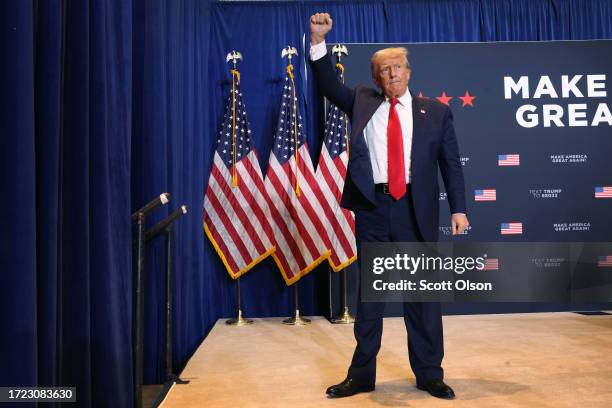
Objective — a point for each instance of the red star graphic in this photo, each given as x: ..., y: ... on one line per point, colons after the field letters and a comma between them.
x: 444, y: 99
x: 467, y: 99
x: 421, y: 95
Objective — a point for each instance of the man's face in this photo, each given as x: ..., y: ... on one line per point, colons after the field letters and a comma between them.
x: 392, y: 76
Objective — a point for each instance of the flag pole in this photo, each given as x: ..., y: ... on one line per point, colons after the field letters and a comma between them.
x: 330, y: 299
x: 234, y: 56
x: 240, y: 320
x: 345, y: 317
x: 288, y: 52
x: 297, y: 320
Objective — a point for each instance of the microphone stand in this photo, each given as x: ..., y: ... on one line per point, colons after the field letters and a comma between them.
x: 165, y: 226
x: 138, y: 259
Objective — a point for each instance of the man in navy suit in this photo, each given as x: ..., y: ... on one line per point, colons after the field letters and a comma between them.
x: 398, y: 142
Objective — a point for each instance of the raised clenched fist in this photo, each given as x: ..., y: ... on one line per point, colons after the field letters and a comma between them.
x: 320, y: 24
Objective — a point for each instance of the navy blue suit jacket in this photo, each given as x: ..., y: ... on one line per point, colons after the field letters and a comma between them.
x: 433, y: 145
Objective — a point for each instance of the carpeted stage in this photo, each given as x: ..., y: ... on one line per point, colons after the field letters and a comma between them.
x: 513, y: 360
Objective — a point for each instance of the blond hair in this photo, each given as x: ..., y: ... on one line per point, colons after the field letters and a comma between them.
x: 388, y: 53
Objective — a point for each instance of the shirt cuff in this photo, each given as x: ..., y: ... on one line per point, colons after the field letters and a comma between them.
x: 318, y: 51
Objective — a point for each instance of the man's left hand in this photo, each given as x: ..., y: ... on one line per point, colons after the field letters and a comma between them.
x: 459, y: 223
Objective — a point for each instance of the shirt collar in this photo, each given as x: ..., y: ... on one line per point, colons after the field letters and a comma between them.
x: 405, y: 100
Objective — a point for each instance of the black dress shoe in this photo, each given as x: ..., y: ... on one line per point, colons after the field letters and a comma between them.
x: 347, y: 388
x: 438, y: 389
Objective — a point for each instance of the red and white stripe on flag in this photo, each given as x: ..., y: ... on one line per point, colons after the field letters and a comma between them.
x: 236, y: 219
x: 299, y: 230
x: 236, y: 213
x: 295, y: 198
x: 339, y: 223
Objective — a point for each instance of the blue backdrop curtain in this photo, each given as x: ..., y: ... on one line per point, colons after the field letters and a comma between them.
x: 107, y: 103
x: 65, y: 240
x: 170, y: 152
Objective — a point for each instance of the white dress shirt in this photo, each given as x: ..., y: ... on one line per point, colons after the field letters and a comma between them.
x: 375, y: 132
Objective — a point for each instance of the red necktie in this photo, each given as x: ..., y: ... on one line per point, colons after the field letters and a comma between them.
x: 395, y: 154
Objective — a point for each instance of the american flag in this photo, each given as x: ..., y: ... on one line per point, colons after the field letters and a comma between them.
x: 604, y: 261
x: 235, y: 204
x: 603, y: 192
x: 491, y: 264
x: 331, y: 172
x: 297, y: 216
x: 508, y: 228
x: 485, y: 195
x: 509, y: 160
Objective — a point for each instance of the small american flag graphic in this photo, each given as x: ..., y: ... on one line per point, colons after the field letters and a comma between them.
x: 603, y: 192
x: 511, y: 228
x: 489, y: 194
x: 509, y: 160
x: 491, y: 264
x: 604, y: 261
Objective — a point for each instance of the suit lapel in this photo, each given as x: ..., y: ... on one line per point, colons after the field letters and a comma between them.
x: 360, y: 167
x: 419, y: 116
x: 365, y: 114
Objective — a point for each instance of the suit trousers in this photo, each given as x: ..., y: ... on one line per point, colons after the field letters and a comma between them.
x: 394, y: 221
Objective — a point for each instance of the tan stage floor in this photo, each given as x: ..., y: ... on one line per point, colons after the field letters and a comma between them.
x: 519, y: 360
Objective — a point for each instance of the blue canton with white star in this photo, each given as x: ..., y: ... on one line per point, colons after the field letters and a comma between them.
x: 284, y: 138
x: 335, y: 132
x: 244, y: 142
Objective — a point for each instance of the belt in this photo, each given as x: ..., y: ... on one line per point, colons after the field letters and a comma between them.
x: 384, y: 188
